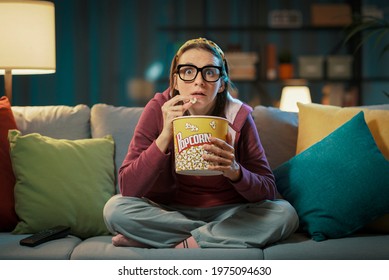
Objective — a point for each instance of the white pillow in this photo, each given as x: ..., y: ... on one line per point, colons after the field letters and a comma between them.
x: 60, y: 122
x: 119, y: 122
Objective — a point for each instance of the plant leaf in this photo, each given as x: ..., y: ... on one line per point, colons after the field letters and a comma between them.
x: 356, y: 28
x: 384, y: 50
x: 381, y: 34
x: 368, y: 27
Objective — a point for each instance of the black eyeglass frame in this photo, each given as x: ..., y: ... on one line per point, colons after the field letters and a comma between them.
x: 199, y: 70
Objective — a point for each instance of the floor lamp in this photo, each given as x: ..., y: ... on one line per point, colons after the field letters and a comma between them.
x: 27, y: 39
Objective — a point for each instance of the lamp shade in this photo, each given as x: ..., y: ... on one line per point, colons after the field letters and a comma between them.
x: 293, y: 94
x: 27, y: 37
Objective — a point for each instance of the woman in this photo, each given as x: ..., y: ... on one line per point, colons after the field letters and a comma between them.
x: 160, y: 208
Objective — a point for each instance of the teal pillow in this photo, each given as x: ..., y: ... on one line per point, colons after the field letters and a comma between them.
x: 339, y: 184
x: 62, y: 182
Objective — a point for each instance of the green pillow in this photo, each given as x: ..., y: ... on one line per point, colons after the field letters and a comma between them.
x: 62, y: 182
x: 339, y: 184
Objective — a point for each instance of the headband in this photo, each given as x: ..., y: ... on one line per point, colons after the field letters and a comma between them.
x: 202, y: 41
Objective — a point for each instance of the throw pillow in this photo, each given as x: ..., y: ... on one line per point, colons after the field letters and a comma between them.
x: 58, y: 121
x: 62, y: 182
x: 8, y: 218
x: 119, y: 122
x: 339, y: 184
x: 317, y: 121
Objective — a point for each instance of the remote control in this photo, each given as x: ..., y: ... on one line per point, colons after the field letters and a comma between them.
x: 45, y: 235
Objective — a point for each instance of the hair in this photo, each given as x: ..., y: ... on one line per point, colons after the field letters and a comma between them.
x: 204, y: 44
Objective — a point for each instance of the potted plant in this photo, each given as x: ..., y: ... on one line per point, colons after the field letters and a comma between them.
x: 367, y: 27
x: 285, y: 66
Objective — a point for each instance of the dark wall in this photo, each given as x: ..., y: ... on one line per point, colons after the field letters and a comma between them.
x: 108, y: 49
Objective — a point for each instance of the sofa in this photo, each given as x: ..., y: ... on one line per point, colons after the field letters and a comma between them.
x: 100, y: 135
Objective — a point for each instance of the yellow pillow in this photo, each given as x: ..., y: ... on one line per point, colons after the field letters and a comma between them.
x: 316, y: 121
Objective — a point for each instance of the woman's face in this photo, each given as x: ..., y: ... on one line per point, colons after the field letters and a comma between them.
x: 205, y: 92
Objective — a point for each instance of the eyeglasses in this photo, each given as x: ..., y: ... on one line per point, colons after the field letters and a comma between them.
x: 188, y: 73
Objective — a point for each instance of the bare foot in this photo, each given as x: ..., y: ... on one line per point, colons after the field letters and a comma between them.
x: 120, y: 240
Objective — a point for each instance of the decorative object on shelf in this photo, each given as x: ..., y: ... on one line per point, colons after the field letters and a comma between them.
x: 371, y: 11
x: 27, y: 44
x: 271, y: 62
x: 339, y: 66
x: 330, y: 14
x: 242, y: 65
x: 337, y: 94
x: 285, y: 19
x: 333, y: 94
x: 140, y: 90
x: 293, y: 94
x: 311, y: 66
x: 285, y: 66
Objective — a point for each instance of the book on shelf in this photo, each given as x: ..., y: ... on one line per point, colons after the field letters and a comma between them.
x: 242, y: 65
x: 240, y: 57
x: 243, y: 72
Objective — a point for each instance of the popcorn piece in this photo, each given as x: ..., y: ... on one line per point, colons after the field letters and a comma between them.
x: 193, y: 100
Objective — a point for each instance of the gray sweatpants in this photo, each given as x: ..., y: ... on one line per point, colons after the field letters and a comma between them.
x: 228, y: 226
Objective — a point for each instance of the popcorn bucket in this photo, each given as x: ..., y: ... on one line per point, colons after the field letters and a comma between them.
x: 190, y: 134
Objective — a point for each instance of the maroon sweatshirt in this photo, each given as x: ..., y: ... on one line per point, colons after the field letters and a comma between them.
x: 148, y: 172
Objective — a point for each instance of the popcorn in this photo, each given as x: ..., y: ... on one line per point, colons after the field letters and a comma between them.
x: 193, y: 100
x: 191, y: 159
x: 190, y: 135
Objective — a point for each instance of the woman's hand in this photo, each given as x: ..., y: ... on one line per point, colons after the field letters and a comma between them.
x: 222, y: 158
x: 172, y: 108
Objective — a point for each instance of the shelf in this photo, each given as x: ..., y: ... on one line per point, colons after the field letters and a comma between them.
x: 306, y: 80
x: 337, y: 34
x: 376, y: 79
x: 309, y: 80
x: 227, y: 28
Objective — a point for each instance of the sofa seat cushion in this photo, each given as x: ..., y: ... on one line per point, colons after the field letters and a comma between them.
x: 60, y: 249
x: 100, y: 247
x: 339, y: 184
x: 62, y: 182
x: 355, y: 247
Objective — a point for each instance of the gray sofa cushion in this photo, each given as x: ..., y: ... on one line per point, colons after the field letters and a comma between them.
x: 100, y: 247
x: 356, y: 247
x: 119, y: 122
x: 60, y: 122
x: 278, y: 133
x: 60, y: 249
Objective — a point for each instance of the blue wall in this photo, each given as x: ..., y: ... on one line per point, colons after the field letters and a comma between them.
x: 103, y: 45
